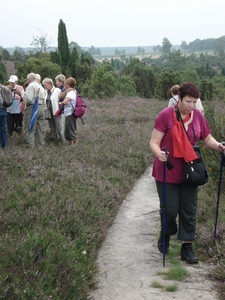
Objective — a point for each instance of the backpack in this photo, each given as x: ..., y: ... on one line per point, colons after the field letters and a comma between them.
x: 80, y: 108
x: 6, y: 97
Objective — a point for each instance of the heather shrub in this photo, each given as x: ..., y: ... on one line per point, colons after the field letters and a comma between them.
x: 210, y: 196
x: 58, y: 202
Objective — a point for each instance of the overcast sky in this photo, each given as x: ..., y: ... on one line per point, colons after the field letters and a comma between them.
x: 116, y: 23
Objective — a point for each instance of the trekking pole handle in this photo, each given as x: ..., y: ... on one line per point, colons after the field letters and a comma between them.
x: 169, y: 165
x: 223, y: 151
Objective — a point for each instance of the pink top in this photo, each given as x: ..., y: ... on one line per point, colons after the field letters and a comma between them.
x: 164, y: 123
x: 16, y: 92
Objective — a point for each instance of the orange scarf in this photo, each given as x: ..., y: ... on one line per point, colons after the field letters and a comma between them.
x: 181, y: 144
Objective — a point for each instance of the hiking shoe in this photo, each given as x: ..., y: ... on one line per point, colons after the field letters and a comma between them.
x: 187, y: 254
x: 160, y: 243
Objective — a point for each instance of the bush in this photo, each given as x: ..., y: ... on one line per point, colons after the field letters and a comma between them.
x: 126, y: 86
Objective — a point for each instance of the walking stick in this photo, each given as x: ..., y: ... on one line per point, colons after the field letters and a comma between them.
x: 219, y: 188
x: 167, y: 164
x: 164, y: 214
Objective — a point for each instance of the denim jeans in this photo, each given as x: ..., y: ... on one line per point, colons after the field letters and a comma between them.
x: 3, y: 134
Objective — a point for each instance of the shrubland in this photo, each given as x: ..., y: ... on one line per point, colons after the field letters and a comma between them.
x: 58, y: 202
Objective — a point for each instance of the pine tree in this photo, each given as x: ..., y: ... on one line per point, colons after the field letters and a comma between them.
x: 72, y: 62
x: 63, y: 46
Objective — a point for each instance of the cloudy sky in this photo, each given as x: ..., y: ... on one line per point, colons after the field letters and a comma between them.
x: 105, y: 23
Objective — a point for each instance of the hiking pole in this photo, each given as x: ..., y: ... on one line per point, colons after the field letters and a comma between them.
x: 167, y: 164
x: 164, y: 211
x: 219, y: 188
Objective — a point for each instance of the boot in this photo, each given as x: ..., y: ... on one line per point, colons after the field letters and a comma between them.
x: 187, y: 254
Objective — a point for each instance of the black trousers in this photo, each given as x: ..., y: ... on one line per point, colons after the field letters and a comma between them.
x: 14, y: 122
x: 181, y: 201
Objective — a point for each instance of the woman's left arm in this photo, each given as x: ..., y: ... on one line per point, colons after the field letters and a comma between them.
x: 211, y: 143
x: 65, y: 101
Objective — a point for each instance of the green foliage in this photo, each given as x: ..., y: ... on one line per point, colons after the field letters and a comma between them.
x: 3, y: 73
x: 63, y: 46
x: 128, y: 69
x: 206, y: 89
x: 145, y: 80
x: 168, y: 288
x: 211, y: 249
x: 165, y: 80
x: 205, y: 44
x: 176, y: 60
x: 171, y: 288
x: 140, y: 51
x: 41, y: 66
x: 117, y: 64
x: 73, y: 62
x: 166, y: 46
x: 5, y: 54
x: 84, y: 72
x: 157, y: 285
x: 218, y: 90
x: 191, y: 75
x: 94, y: 51
x: 86, y: 57
x: 126, y: 86
x: 54, y: 57
x: 143, y: 77
x: 205, y: 71
x: 103, y: 84
x: 79, y: 49
x: 178, y: 273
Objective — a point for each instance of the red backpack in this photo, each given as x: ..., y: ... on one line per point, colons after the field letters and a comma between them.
x: 80, y: 107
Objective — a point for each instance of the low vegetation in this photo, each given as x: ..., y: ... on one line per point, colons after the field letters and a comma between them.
x: 58, y: 202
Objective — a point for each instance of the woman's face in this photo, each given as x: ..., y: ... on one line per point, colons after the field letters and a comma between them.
x: 58, y: 83
x: 48, y: 86
x: 187, y: 104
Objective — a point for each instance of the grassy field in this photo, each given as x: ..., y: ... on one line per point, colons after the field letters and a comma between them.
x: 58, y: 202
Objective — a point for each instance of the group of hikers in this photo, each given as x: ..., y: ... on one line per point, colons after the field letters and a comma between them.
x: 55, y: 117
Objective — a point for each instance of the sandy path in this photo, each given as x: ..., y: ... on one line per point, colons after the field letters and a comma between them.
x: 129, y: 260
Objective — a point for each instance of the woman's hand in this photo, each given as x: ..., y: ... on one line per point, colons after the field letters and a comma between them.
x: 162, y: 156
x: 221, y: 147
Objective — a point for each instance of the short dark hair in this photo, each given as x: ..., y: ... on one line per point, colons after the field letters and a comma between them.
x: 188, y: 89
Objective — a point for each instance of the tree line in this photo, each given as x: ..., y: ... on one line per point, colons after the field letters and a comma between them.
x: 147, y: 77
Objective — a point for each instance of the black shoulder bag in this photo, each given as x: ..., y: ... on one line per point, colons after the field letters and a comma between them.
x: 195, y: 172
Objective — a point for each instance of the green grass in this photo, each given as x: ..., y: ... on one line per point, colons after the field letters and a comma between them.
x: 157, y: 285
x: 168, y: 288
x: 175, y: 272
x: 171, y: 288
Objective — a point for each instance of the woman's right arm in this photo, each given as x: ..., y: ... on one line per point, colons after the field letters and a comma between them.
x: 155, y: 142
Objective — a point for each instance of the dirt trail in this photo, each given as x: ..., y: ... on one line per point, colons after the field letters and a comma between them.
x: 129, y: 260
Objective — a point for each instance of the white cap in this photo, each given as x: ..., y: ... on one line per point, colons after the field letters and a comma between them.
x: 13, y: 78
